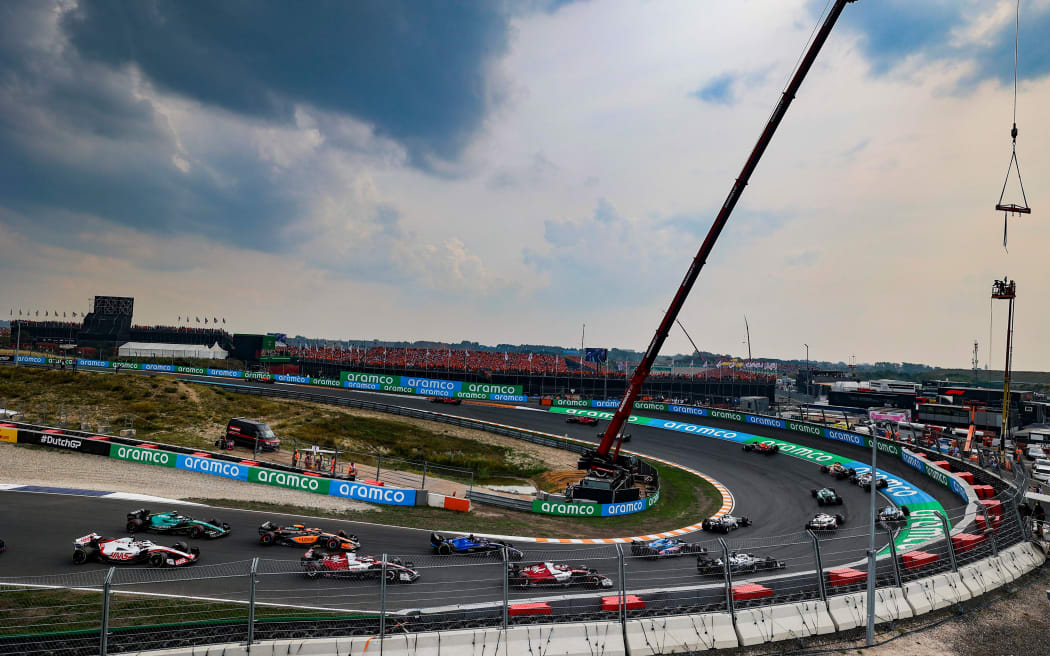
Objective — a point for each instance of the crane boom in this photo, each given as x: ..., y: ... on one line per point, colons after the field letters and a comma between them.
x: 613, y: 431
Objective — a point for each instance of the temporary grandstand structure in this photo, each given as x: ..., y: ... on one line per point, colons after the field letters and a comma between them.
x: 147, y: 350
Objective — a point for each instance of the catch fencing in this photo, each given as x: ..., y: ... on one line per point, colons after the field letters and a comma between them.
x: 117, y: 610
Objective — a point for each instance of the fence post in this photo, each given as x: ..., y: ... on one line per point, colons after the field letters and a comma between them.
x: 382, y: 605
x: 1022, y: 526
x: 106, y: 587
x: 506, y: 597
x: 423, y: 485
x: 621, y: 575
x: 379, y: 464
x: 819, y: 564
x: 948, y: 539
x: 728, y: 579
x: 893, y: 555
x: 251, y: 601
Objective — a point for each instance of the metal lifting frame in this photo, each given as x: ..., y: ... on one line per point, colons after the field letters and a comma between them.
x: 613, y: 431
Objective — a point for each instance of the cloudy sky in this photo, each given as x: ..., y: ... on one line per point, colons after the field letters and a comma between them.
x: 507, y: 171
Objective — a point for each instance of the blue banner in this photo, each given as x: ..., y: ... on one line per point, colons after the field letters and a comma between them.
x: 771, y: 422
x: 285, y: 378
x: 513, y: 398
x: 688, y: 410
x: 843, y: 436
x: 93, y: 363
x: 374, y: 493
x: 31, y: 359
x: 211, y: 466
x: 158, y: 367
x: 225, y: 373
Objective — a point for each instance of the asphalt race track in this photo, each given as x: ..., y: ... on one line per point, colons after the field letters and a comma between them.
x: 772, y: 490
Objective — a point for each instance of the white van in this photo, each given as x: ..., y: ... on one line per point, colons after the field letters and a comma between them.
x: 1041, y: 473
x: 1035, y: 451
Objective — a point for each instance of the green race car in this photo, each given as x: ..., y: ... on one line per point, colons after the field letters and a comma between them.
x: 174, y: 523
x: 826, y: 496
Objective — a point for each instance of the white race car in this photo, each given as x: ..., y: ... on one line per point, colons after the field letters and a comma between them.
x: 350, y: 565
x: 864, y: 480
x: 825, y: 522
x: 893, y: 514
x: 132, y: 551
x: 725, y: 523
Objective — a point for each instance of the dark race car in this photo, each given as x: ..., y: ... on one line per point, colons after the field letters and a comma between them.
x: 826, y: 496
x: 665, y: 548
x: 894, y: 515
x: 472, y: 544
x: 864, y: 480
x: 173, y: 523
x: 739, y: 563
x: 552, y: 574
x: 446, y: 400
x: 725, y: 523
x: 349, y: 565
x: 839, y: 471
x: 298, y: 535
x: 3, y: 547
x: 129, y: 551
x: 763, y: 448
x: 825, y: 522
x: 581, y: 419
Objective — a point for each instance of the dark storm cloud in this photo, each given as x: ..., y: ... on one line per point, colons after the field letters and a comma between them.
x: 416, y: 71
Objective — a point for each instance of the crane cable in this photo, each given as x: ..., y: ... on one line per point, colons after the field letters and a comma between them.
x: 1007, y: 209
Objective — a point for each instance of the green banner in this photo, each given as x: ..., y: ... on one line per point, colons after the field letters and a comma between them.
x: 726, y: 414
x: 136, y: 454
x: 289, y: 480
x: 808, y: 429
x: 649, y: 405
x: 567, y: 509
x: 197, y: 371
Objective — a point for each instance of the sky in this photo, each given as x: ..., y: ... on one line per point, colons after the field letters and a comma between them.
x: 506, y: 172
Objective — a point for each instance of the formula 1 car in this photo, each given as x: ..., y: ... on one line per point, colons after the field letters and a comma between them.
x: 826, y: 496
x: 581, y: 419
x: 551, y: 574
x: 825, y: 522
x: 298, y: 535
x: 864, y: 480
x: 894, y: 515
x: 318, y: 563
x: 763, y: 448
x: 175, y: 524
x: 3, y: 547
x: 725, y: 523
x: 665, y: 548
x: 471, y: 544
x: 838, y: 470
x: 739, y: 563
x: 129, y: 551
x: 555, y: 574
x: 446, y: 400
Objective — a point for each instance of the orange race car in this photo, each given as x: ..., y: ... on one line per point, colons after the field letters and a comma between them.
x: 298, y: 535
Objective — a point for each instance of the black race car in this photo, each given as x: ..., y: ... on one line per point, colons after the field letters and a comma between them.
x: 3, y: 546
x: 300, y: 535
x: 838, y: 471
x: 725, y: 523
x: 763, y: 448
x: 826, y: 496
x: 129, y: 551
x: 894, y: 515
x: 581, y: 419
x: 174, y: 523
x: 471, y: 544
x: 739, y: 563
x: 825, y: 522
x: 864, y: 480
x: 665, y: 548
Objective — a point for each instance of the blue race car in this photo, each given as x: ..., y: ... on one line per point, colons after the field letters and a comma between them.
x: 665, y: 548
x: 472, y: 544
x: 176, y: 524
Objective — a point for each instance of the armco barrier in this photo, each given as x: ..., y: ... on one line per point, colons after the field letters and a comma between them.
x: 216, y: 464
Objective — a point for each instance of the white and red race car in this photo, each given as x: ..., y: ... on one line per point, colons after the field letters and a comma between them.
x: 353, y: 566
x: 550, y: 574
x: 132, y: 551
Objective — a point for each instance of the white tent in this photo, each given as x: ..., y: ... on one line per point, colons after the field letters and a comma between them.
x: 147, y: 350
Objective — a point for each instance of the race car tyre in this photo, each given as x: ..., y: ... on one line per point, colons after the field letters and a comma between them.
x: 312, y: 570
x: 747, y: 447
x: 195, y: 531
x: 745, y: 521
x: 181, y: 546
x: 134, y: 525
x: 391, y: 576
x: 851, y: 472
x: 445, y: 549
x: 838, y: 501
x: 904, y: 509
x: 520, y: 582
x: 813, y: 493
x: 80, y: 556
x: 332, y: 543
x: 840, y: 519
x: 867, y: 487
x: 156, y: 560
x: 595, y: 582
x: 824, y: 469
x: 820, y: 501
x: 776, y: 448
x: 267, y: 538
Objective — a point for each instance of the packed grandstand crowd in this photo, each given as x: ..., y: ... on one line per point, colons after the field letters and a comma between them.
x: 451, y: 359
